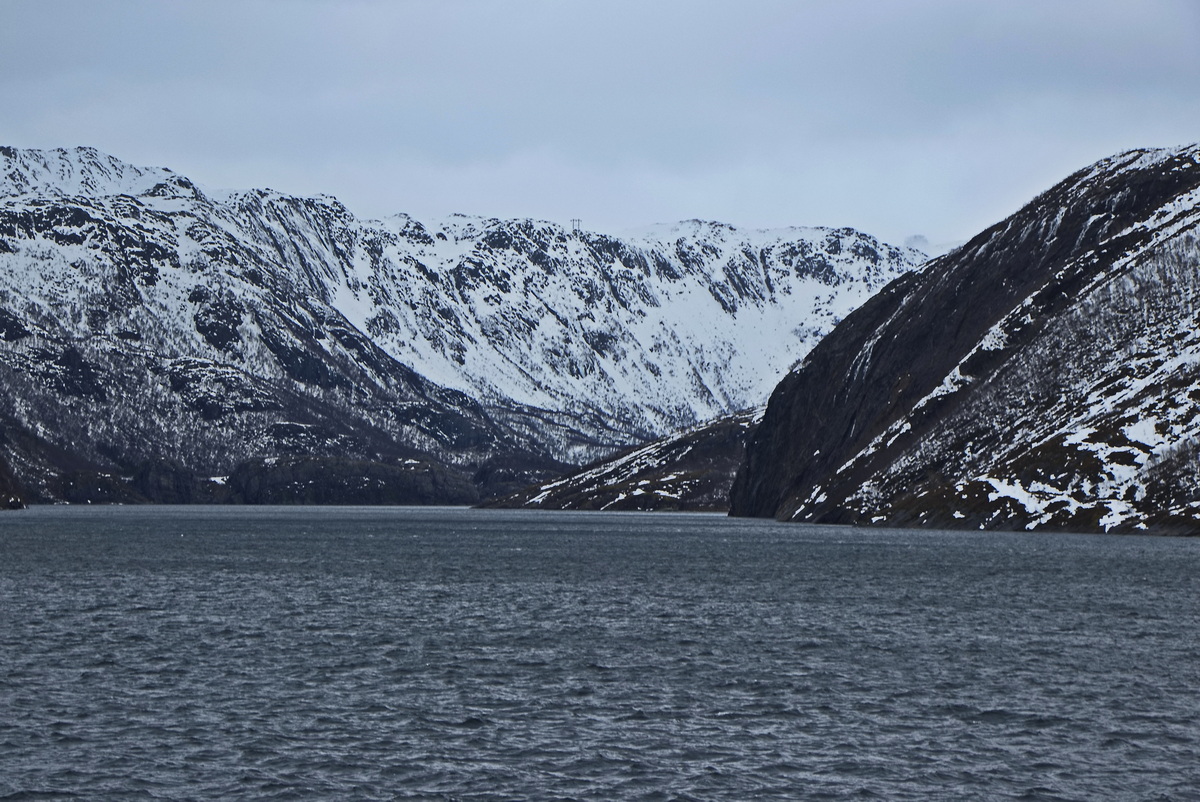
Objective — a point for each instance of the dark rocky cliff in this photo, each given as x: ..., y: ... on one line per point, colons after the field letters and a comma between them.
x: 1044, y: 375
x: 12, y: 497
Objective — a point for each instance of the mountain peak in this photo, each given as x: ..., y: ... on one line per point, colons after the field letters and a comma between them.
x: 486, y: 343
x: 1043, y: 375
x: 74, y: 171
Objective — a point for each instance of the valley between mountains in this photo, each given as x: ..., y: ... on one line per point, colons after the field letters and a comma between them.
x: 163, y: 342
x: 1045, y: 375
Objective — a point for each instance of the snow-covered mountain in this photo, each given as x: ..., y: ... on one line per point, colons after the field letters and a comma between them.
x: 145, y: 320
x: 65, y: 173
x: 638, y: 335
x: 1044, y: 375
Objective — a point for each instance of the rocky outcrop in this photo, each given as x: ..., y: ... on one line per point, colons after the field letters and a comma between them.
x: 1044, y: 375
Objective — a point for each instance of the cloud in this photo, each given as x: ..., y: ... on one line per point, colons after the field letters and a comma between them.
x: 929, y: 116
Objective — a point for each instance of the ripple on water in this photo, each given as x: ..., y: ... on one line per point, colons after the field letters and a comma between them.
x: 502, y: 655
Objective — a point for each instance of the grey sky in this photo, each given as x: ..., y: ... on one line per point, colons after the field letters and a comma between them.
x: 923, y: 116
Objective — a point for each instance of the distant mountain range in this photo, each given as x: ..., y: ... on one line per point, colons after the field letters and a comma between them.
x: 1045, y: 375
x: 160, y: 342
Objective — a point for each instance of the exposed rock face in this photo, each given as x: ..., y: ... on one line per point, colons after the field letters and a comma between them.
x: 154, y: 336
x: 1044, y: 375
x: 12, y: 497
x: 690, y: 471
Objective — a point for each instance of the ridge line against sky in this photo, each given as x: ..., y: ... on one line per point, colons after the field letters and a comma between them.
x: 933, y: 117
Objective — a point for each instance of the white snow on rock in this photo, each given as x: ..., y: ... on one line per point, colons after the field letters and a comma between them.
x: 630, y: 337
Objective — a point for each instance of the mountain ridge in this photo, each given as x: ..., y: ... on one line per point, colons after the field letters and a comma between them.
x: 145, y: 319
x: 1037, y: 377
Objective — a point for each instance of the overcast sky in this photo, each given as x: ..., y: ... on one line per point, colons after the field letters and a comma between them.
x: 934, y: 117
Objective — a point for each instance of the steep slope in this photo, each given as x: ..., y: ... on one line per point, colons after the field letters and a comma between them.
x: 632, y: 337
x: 146, y: 325
x: 149, y: 335
x: 1044, y: 375
x: 690, y: 470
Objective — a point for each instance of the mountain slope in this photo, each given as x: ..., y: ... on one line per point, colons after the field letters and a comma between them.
x: 1044, y: 375
x: 690, y: 470
x: 634, y: 337
x: 148, y: 325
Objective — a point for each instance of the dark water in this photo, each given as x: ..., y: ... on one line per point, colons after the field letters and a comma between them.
x: 227, y: 653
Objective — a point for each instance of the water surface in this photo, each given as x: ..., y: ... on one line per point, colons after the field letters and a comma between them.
x: 448, y: 654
